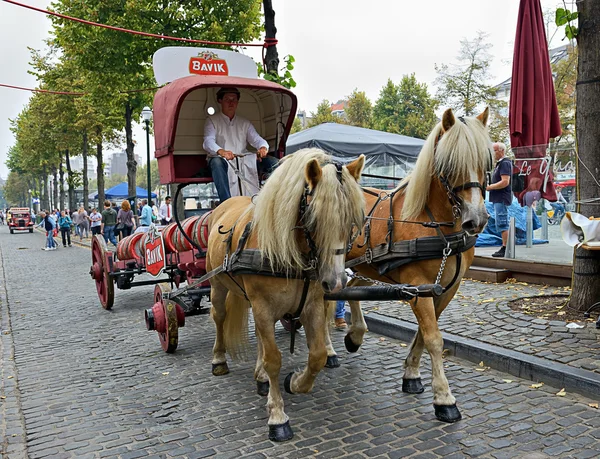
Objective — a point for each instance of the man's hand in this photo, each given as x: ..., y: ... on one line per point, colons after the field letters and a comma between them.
x: 225, y: 154
x: 262, y: 152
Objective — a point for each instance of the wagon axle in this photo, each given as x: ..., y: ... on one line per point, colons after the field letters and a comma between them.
x: 156, y: 318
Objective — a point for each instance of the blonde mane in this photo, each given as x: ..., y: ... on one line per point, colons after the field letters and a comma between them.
x: 464, y: 148
x: 334, y: 208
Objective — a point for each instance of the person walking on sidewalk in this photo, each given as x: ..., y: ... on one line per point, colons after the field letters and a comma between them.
x: 96, y: 219
x: 340, y: 312
x: 64, y: 223
x: 146, y: 218
x: 49, y: 225
x: 109, y: 221
x: 501, y: 194
x: 165, y: 212
x: 125, y: 218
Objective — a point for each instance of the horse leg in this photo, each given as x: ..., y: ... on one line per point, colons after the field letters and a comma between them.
x: 260, y: 375
x: 218, y: 296
x: 332, y: 358
x: 411, y: 381
x: 279, y: 424
x: 443, y: 401
x: 358, y: 327
x: 315, y: 326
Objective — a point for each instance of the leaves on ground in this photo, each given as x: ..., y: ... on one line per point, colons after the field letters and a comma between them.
x: 537, y: 385
x: 562, y: 392
x: 165, y: 373
x: 593, y: 405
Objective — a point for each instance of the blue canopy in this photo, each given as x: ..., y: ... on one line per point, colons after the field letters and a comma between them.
x: 120, y: 191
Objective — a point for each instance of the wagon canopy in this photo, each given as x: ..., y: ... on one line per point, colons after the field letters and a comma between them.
x: 182, y: 107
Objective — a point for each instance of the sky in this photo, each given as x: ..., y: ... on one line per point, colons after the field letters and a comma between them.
x: 338, y: 45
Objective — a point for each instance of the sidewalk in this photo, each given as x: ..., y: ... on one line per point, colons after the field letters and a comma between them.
x: 480, y: 321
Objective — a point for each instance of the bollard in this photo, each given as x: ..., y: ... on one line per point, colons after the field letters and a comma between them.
x: 529, y: 240
x: 510, y: 243
x: 544, y: 223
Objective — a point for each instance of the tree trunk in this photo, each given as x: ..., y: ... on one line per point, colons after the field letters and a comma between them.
x: 72, y: 203
x: 271, y: 57
x: 129, y: 149
x: 86, y: 192
x: 100, y: 173
x: 44, y: 202
x: 586, y: 265
x: 61, y: 172
x: 55, y: 204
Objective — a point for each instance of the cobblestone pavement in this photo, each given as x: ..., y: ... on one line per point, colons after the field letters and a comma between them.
x: 480, y: 311
x: 85, y: 382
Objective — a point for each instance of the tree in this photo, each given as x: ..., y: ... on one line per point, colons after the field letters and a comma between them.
x: 463, y: 86
x: 359, y: 110
x: 296, y: 126
x: 323, y: 115
x: 16, y: 189
x: 142, y: 178
x: 406, y: 108
x: 586, y: 264
x: 565, y: 71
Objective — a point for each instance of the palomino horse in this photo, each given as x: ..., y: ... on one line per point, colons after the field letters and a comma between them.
x: 446, y: 186
x: 301, y: 221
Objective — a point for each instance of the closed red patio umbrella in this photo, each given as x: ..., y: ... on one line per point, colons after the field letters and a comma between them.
x: 533, y: 114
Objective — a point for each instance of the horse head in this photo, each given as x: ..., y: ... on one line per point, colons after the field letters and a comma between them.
x: 464, y: 149
x: 335, y: 206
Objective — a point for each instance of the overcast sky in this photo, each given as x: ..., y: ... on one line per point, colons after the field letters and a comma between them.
x: 338, y: 45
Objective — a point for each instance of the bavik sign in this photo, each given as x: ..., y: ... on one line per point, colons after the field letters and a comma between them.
x: 154, y: 252
x: 208, y: 63
x: 173, y: 62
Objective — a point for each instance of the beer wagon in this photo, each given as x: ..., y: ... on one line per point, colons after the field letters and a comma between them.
x: 180, y: 109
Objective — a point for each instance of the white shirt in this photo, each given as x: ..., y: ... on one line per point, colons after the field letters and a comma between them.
x: 162, y: 213
x: 234, y: 135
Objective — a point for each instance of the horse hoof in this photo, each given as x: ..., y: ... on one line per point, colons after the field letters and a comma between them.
x: 412, y: 386
x: 262, y: 388
x: 447, y: 413
x: 287, y: 384
x: 220, y: 369
x: 350, y: 346
x: 280, y: 432
x: 332, y: 361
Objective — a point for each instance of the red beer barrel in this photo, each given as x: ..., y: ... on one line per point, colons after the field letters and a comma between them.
x: 200, y: 234
x: 181, y: 243
x: 167, y: 233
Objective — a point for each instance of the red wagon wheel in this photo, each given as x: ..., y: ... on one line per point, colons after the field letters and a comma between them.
x: 100, y: 273
x: 165, y: 317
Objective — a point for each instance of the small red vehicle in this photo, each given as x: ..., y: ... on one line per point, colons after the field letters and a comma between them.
x: 19, y: 219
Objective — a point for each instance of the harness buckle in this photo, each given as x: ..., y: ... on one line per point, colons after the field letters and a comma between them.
x: 447, y: 251
x: 369, y: 256
x: 226, y: 262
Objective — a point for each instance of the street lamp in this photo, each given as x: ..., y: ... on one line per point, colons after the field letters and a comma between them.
x: 30, y: 200
x: 147, y: 116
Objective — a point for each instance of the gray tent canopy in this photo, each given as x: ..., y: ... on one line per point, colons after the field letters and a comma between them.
x: 345, y: 143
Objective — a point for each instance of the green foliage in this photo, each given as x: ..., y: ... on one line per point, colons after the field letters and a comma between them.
x: 359, y: 111
x: 565, y: 79
x: 141, y: 177
x: 284, y: 78
x: 296, y: 126
x: 324, y: 115
x: 406, y: 108
x: 565, y: 17
x: 16, y: 189
x: 463, y: 86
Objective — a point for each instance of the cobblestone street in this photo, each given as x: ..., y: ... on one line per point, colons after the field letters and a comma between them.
x: 78, y: 381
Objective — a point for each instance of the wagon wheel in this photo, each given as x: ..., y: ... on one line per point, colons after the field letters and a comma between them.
x: 100, y: 273
x: 169, y: 336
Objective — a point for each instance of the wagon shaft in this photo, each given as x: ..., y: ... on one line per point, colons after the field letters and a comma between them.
x: 383, y: 293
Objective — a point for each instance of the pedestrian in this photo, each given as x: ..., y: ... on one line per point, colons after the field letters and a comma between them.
x: 340, y: 313
x: 125, y: 219
x: 109, y: 221
x: 146, y: 217
x: 49, y: 225
x: 166, y: 212
x: 501, y: 194
x: 64, y: 223
x: 82, y: 223
x: 96, y: 221
x: 154, y: 211
x: 75, y: 218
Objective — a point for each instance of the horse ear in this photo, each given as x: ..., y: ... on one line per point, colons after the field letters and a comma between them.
x: 313, y: 173
x: 483, y: 116
x: 448, y: 120
x: 356, y: 167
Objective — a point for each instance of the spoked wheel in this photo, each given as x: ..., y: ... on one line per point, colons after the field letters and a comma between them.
x: 165, y: 317
x: 100, y: 273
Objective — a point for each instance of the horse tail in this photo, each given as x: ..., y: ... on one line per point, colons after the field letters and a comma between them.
x: 235, y: 328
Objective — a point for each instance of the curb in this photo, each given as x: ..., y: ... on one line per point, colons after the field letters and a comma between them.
x: 586, y: 383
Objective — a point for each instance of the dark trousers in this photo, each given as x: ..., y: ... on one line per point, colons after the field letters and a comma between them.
x: 66, y: 236
x: 96, y: 229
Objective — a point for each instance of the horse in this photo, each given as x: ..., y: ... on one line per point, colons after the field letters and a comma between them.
x: 443, y: 194
x: 298, y: 227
